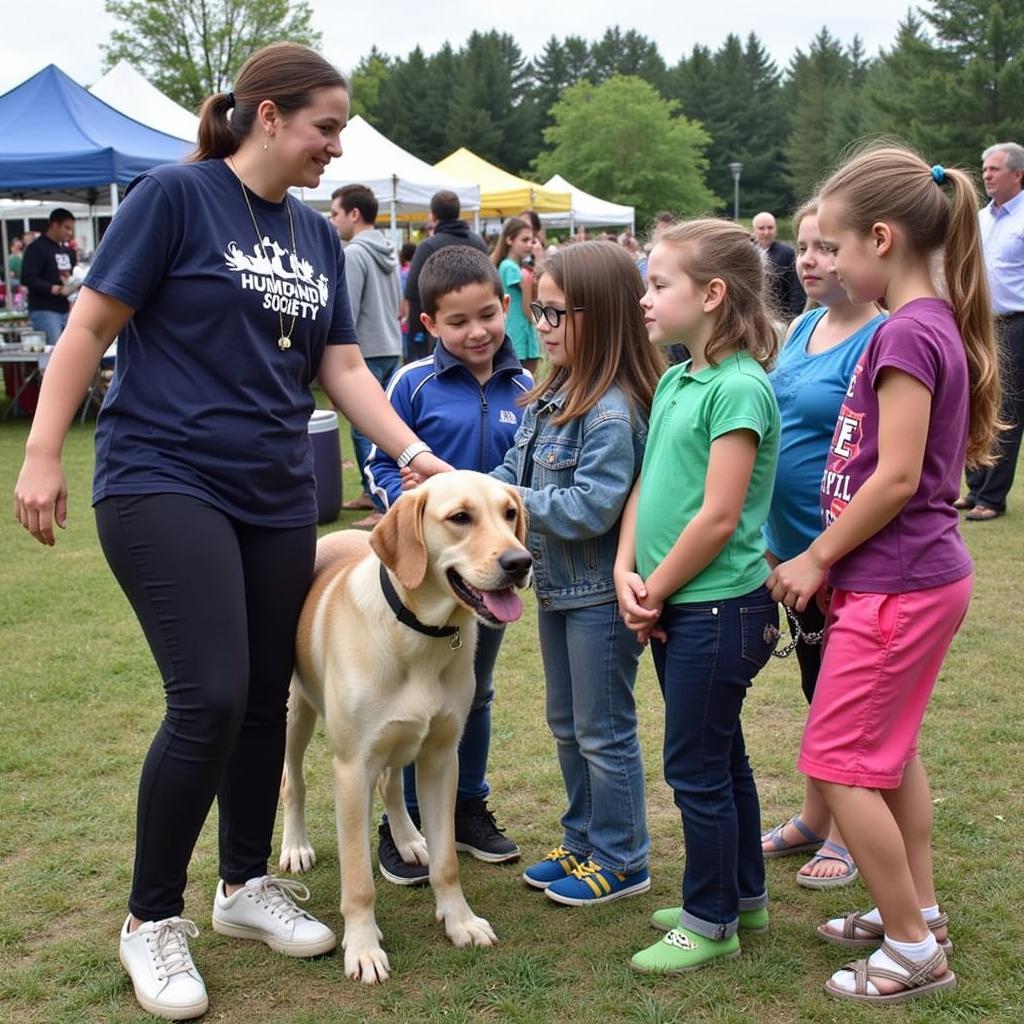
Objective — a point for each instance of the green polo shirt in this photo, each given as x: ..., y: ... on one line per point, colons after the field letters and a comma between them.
x: 690, y: 410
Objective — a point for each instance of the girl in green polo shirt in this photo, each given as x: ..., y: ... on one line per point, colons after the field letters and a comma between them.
x: 690, y: 572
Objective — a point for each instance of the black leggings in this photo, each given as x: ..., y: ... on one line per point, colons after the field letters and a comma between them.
x: 809, y: 655
x: 219, y: 602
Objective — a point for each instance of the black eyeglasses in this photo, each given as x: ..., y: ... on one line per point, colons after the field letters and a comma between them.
x: 550, y: 313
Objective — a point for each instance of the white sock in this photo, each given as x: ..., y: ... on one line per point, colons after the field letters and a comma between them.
x: 928, y: 913
x: 916, y: 951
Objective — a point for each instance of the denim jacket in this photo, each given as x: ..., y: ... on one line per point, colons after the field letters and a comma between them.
x: 575, y: 479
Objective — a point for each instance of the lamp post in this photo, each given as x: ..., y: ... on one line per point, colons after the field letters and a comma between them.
x: 736, y: 169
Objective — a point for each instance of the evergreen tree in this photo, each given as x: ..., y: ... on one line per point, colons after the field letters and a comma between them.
x: 366, y: 82
x: 627, y: 54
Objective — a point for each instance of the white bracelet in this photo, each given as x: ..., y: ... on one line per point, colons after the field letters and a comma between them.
x: 410, y: 453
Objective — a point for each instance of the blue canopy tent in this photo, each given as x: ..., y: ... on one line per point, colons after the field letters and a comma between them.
x: 61, y: 143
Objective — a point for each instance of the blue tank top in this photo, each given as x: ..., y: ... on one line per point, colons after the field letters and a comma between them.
x: 809, y: 388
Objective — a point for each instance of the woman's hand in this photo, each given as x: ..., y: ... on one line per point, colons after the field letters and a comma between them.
x: 425, y: 464
x: 41, y: 497
x: 796, y: 582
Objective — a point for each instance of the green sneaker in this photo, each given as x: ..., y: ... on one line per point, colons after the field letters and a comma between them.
x: 753, y: 921
x: 681, y: 950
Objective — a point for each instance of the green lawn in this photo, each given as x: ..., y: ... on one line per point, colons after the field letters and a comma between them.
x: 79, y: 701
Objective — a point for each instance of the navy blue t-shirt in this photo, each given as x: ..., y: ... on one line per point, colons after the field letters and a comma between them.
x: 203, y: 401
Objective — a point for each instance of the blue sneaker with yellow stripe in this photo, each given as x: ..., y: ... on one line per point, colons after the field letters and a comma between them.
x: 589, y: 883
x: 559, y: 863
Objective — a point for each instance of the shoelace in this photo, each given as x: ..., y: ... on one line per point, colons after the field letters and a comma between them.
x: 279, y: 895
x: 588, y: 867
x: 485, y: 814
x: 172, y: 955
x: 679, y: 940
x: 558, y: 853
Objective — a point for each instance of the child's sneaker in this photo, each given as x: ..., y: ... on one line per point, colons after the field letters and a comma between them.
x: 681, y: 950
x: 477, y: 833
x: 753, y: 921
x: 559, y: 863
x: 157, y: 959
x: 589, y: 883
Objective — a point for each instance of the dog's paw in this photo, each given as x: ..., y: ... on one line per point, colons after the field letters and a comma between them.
x: 366, y: 962
x: 470, y: 931
x: 413, y: 851
x: 297, y: 857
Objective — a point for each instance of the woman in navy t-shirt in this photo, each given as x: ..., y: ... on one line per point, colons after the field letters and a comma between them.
x: 227, y: 298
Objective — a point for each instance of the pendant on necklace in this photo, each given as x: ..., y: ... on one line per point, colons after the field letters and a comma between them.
x: 284, y: 343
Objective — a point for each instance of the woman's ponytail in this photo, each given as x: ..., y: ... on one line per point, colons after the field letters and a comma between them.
x: 216, y: 139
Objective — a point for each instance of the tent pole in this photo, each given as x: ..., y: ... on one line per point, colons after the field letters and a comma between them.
x: 115, y: 199
x: 7, y: 267
x: 394, y: 208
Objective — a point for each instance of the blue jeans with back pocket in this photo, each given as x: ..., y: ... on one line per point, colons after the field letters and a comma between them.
x: 713, y: 651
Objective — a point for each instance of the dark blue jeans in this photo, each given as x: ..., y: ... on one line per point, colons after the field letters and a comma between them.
x: 714, y: 650
x: 475, y: 744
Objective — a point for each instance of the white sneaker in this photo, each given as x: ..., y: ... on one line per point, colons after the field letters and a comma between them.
x: 157, y: 960
x: 264, y: 909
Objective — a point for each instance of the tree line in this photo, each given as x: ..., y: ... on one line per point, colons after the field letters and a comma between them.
x: 617, y: 119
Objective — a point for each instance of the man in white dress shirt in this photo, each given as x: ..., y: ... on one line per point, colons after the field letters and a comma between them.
x: 1002, y: 237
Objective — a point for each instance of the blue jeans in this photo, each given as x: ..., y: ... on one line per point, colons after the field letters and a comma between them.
x: 590, y: 663
x: 476, y: 737
x: 50, y: 322
x: 382, y: 367
x: 714, y: 650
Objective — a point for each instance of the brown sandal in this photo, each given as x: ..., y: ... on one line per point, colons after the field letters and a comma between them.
x: 982, y: 514
x: 919, y: 978
x: 855, y: 922
x: 964, y: 504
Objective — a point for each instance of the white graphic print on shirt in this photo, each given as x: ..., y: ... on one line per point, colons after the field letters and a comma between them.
x: 835, y: 481
x: 290, y: 289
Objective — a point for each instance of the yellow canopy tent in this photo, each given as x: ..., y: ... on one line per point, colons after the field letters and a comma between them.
x: 502, y: 194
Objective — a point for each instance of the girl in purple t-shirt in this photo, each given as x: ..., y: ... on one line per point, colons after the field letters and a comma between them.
x: 923, y: 399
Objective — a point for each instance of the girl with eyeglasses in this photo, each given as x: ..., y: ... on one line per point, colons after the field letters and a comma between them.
x: 513, y: 247
x: 576, y: 454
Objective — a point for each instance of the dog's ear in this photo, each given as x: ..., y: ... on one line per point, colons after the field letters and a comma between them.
x: 521, y: 519
x: 397, y: 540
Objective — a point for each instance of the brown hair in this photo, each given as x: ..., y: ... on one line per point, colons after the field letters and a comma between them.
x: 710, y: 248
x: 611, y: 346
x: 509, y: 230
x: 891, y: 183
x: 450, y: 270
x: 285, y: 73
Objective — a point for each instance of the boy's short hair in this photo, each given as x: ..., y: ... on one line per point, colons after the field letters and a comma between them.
x: 445, y: 205
x: 358, y: 197
x: 452, y: 268
x: 59, y: 216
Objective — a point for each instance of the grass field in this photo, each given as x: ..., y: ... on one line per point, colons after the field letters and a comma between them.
x: 79, y: 701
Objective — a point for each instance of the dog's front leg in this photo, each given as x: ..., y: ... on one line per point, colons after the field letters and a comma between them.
x: 436, y: 779
x: 297, y: 853
x: 364, y: 959
x: 408, y: 839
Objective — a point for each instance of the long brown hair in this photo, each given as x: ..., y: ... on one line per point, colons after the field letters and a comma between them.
x: 709, y: 248
x: 285, y: 73
x: 611, y: 345
x: 509, y: 230
x: 891, y: 183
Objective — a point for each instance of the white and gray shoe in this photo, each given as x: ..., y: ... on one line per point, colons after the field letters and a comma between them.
x: 264, y: 909
x: 157, y: 959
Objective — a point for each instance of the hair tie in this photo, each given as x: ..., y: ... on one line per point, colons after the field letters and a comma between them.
x: 939, y: 174
x: 231, y: 100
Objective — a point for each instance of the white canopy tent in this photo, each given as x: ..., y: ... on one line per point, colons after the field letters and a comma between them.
x: 401, y: 182
x: 587, y: 210
x: 126, y: 90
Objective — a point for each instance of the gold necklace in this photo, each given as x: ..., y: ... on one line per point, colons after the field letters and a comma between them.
x: 285, y: 341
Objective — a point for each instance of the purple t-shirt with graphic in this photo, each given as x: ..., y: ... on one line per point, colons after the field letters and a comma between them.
x: 921, y: 547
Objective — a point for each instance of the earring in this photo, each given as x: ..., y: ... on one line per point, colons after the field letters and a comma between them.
x: 266, y: 141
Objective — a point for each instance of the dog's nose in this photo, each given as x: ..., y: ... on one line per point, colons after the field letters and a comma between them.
x: 515, y: 561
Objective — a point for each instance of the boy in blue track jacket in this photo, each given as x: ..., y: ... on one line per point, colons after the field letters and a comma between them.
x: 463, y: 401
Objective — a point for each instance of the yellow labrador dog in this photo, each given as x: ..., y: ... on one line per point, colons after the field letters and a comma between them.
x: 385, y: 655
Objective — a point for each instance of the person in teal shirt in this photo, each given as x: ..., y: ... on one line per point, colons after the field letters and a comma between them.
x: 690, y: 572
x: 514, y: 247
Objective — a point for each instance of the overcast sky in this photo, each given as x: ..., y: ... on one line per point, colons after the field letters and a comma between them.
x: 69, y: 33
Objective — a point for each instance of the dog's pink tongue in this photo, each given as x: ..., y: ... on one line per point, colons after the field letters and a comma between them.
x: 504, y: 605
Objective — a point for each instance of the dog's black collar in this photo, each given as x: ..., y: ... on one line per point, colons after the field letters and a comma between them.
x: 407, y: 618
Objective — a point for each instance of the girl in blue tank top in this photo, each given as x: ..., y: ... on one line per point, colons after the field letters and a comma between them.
x: 810, y: 380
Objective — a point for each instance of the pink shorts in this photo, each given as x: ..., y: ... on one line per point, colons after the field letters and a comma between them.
x: 881, y: 658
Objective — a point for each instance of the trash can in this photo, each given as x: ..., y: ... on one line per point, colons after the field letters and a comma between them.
x: 323, y: 435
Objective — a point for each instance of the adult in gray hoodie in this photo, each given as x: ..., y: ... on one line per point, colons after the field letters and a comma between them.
x: 375, y: 291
